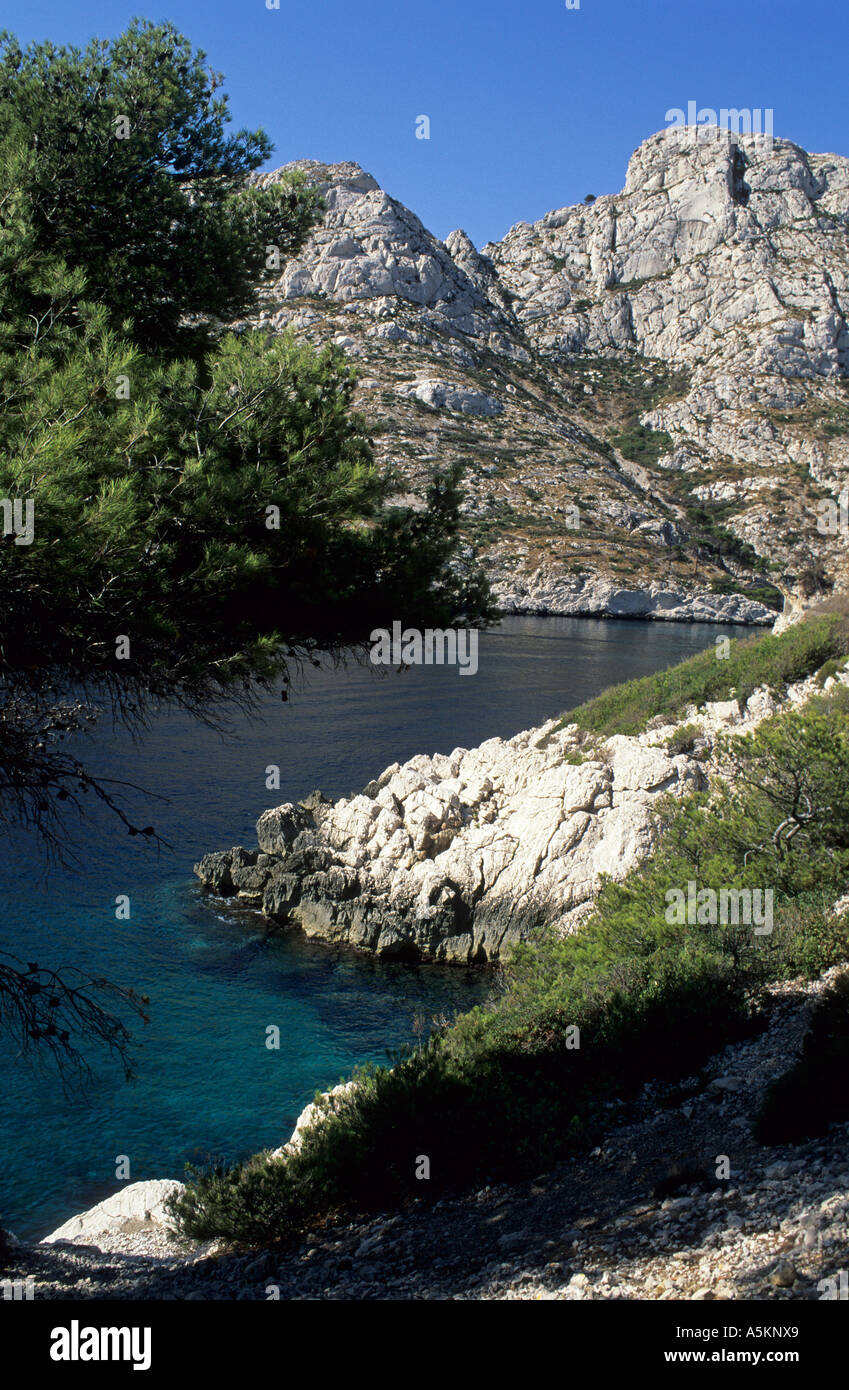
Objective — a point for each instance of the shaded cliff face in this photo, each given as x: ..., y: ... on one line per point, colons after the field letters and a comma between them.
x: 631, y: 385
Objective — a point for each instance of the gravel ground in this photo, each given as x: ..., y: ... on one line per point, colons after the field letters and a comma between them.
x: 642, y: 1217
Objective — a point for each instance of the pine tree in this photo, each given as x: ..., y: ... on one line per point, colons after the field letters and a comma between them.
x: 204, y: 501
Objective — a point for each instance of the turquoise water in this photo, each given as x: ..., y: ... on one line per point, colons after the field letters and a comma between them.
x: 207, y: 1085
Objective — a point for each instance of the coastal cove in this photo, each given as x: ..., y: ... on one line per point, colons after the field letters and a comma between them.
x: 207, y: 1084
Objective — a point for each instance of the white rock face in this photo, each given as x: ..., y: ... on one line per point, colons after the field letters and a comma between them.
x: 138, y: 1208
x: 701, y: 251
x: 371, y: 250
x: 443, y: 395
x: 722, y: 260
x: 308, y: 1117
x: 509, y: 826
x: 548, y: 590
x: 725, y: 256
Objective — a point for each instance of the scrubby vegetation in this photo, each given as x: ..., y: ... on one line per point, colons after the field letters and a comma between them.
x: 712, y: 536
x: 582, y: 1021
x: 641, y: 444
x: 502, y: 1090
x: 683, y: 739
x: 751, y: 662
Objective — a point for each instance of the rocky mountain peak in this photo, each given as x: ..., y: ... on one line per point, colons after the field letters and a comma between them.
x: 347, y: 174
x: 626, y: 381
x: 370, y: 247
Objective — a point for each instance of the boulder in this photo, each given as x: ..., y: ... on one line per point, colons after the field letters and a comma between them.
x: 140, y: 1206
x: 277, y: 829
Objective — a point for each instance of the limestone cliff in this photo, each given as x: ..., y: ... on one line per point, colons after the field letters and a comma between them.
x: 649, y: 393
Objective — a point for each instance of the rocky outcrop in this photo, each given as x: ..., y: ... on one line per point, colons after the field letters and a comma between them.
x: 443, y: 395
x: 371, y: 250
x: 548, y: 591
x: 725, y: 256
x: 453, y: 857
x: 458, y: 856
x: 329, y: 1102
x: 133, y: 1217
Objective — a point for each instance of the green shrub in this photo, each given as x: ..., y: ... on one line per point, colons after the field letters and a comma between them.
x: 777, y: 819
x: 766, y: 594
x: 683, y: 739
x: 641, y: 444
x: 815, y: 1092
x: 808, y: 937
x: 829, y: 668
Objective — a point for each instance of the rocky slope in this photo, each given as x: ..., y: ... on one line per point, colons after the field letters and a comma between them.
x: 457, y: 856
x: 641, y: 1217
x: 647, y: 392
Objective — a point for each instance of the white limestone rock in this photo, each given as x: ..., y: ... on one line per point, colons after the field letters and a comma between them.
x: 443, y: 395
x: 722, y: 258
x: 547, y: 590
x: 455, y: 857
x: 308, y: 1116
x: 138, y: 1208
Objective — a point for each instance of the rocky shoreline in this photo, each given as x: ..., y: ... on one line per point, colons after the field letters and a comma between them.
x: 456, y: 857
x: 642, y: 1216
x: 645, y: 1214
x: 548, y: 592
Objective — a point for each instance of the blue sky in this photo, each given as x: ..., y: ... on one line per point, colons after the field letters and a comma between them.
x: 531, y: 104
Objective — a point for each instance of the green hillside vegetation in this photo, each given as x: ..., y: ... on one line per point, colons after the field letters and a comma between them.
x: 751, y: 662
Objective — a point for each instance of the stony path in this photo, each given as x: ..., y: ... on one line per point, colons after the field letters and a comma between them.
x: 643, y: 1217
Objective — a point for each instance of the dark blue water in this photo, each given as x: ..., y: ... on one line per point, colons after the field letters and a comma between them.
x: 207, y: 1085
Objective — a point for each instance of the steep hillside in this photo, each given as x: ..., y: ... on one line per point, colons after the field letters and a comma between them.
x: 648, y: 393
x: 728, y: 263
